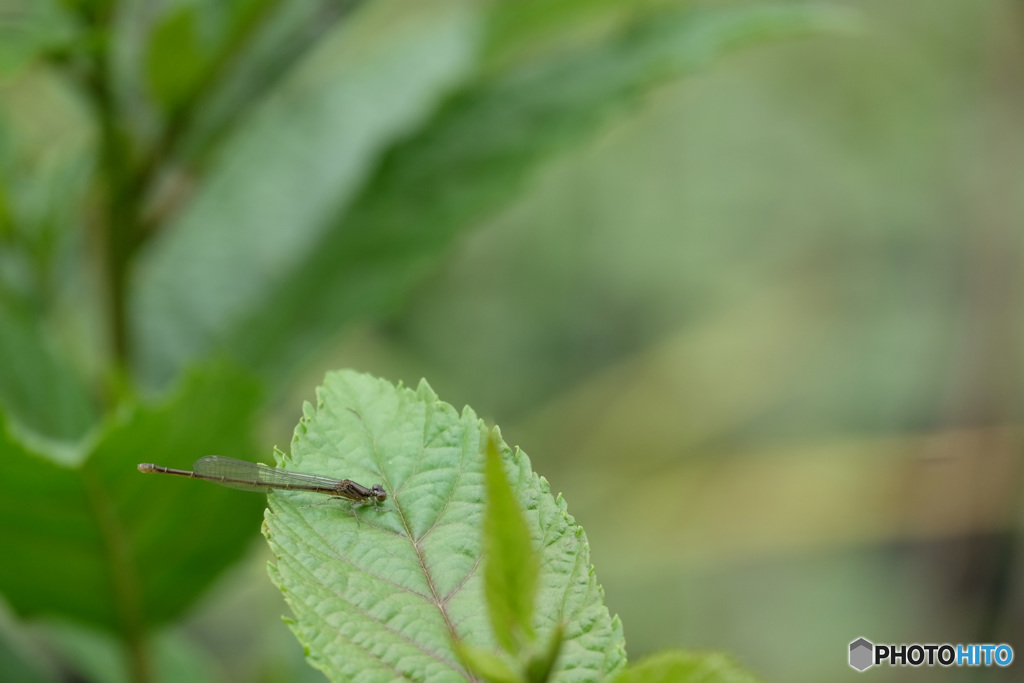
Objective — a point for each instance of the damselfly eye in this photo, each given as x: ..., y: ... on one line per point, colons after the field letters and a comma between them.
x: 379, y: 493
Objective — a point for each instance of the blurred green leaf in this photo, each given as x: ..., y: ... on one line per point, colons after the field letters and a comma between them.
x: 686, y: 667
x: 102, y: 544
x: 176, y: 57
x: 44, y: 163
x: 529, y: 28
x: 541, y: 663
x: 258, y: 45
x: 29, y: 28
x: 288, y: 169
x: 473, y: 157
x: 90, y: 8
x: 510, y: 566
x: 230, y: 277
x: 99, y: 656
x: 712, y: 34
x: 486, y: 664
x: 21, y: 664
x: 382, y: 593
x: 37, y: 388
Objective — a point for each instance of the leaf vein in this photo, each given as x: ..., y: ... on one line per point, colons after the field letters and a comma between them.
x: 300, y: 569
x: 336, y: 554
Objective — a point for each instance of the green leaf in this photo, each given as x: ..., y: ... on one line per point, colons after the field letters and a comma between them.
x: 381, y: 594
x: 288, y: 169
x: 686, y: 667
x: 473, y: 157
x: 176, y: 57
x: 486, y: 664
x: 20, y: 663
x: 712, y: 34
x: 364, y: 227
x: 38, y: 390
x: 28, y: 28
x: 100, y: 656
x: 541, y: 663
x: 529, y: 28
x: 510, y: 566
x: 98, y: 542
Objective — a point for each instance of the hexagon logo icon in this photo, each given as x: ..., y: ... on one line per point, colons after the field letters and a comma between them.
x: 861, y: 651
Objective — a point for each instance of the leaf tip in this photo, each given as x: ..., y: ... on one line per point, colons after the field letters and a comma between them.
x: 424, y: 392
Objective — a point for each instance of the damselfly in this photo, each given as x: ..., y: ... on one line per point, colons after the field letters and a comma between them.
x: 255, y: 476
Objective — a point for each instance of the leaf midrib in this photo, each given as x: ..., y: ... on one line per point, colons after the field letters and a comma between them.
x: 439, y: 602
x: 335, y: 554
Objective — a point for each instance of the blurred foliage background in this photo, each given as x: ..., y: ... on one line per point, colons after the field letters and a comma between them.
x: 756, y: 312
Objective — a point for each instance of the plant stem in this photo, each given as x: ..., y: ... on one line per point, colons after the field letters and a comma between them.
x: 180, y: 119
x: 116, y: 226
x: 116, y: 223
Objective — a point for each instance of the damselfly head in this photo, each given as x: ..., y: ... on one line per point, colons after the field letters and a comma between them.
x: 379, y: 494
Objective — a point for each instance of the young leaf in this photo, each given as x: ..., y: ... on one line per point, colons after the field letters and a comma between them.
x: 542, y: 662
x: 686, y: 667
x: 384, y: 594
x: 486, y: 664
x: 98, y: 542
x: 510, y: 566
x: 176, y: 56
